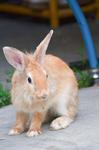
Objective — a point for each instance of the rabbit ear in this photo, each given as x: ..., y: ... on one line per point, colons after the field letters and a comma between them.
x: 40, y: 52
x: 15, y: 58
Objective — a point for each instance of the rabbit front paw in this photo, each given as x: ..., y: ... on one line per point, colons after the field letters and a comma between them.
x: 15, y: 131
x: 33, y: 132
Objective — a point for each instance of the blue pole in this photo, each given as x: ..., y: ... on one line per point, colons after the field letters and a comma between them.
x: 91, y: 51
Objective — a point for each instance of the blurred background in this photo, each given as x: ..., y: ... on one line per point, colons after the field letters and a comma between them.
x: 24, y: 23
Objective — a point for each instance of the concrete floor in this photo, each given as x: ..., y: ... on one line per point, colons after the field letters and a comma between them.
x: 66, y: 43
x: 83, y: 134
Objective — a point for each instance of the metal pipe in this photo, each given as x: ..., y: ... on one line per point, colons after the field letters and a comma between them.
x: 91, y: 51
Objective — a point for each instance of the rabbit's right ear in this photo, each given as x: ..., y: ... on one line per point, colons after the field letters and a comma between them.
x: 15, y: 58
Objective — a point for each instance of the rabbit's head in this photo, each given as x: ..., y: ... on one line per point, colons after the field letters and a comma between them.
x: 30, y: 68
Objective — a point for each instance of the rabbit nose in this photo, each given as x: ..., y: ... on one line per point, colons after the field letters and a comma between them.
x: 42, y: 95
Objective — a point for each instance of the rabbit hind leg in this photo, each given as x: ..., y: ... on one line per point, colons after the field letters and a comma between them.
x: 66, y: 115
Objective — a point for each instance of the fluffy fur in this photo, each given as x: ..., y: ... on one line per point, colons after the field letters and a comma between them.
x: 44, y: 86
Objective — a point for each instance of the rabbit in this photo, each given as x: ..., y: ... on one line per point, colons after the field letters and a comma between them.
x: 43, y: 87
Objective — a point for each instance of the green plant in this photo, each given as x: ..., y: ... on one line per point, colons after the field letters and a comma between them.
x: 4, y: 96
x: 84, y: 79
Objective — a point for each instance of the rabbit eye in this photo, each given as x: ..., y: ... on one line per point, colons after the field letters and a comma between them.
x: 29, y: 80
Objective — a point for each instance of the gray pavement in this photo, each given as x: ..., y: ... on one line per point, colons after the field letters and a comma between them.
x: 83, y: 134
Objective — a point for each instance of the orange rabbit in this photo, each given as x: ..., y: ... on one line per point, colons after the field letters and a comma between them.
x: 43, y: 86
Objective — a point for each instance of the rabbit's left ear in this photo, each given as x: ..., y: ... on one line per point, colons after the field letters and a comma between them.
x: 41, y: 49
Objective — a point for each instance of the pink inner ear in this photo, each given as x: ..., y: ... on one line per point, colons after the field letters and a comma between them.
x: 14, y: 57
x: 17, y: 60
